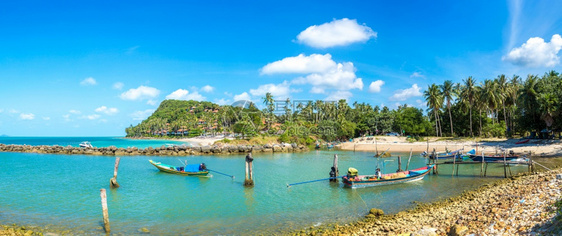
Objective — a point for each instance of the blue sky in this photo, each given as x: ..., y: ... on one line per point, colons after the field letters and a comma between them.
x: 92, y: 68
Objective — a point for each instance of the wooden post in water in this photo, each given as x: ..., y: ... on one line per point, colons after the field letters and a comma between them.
x: 408, y: 164
x: 454, y: 163
x: 399, y: 164
x: 376, y: 148
x: 427, y: 149
x: 113, y: 181
x: 249, y: 181
x: 433, y: 155
x: 104, y: 209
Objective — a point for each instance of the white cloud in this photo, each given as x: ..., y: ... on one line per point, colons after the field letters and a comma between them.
x: 242, y: 96
x: 375, y: 87
x: 222, y: 101
x: 536, y: 53
x: 90, y: 117
x: 66, y: 117
x: 27, y: 116
x: 13, y: 111
x: 342, y: 77
x: 141, y: 115
x: 315, y: 63
x: 46, y: 118
x: 402, y: 95
x: 183, y: 94
x: 75, y: 112
x: 118, y: 85
x: 88, y: 81
x: 140, y: 93
x: 336, y: 33
x: 416, y: 75
x: 336, y: 96
x: 106, y: 110
x: 282, y: 90
x: 208, y: 88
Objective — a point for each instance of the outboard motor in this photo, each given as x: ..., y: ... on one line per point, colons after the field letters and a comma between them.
x: 202, y: 166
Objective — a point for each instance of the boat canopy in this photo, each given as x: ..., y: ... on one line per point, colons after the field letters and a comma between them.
x: 192, y: 168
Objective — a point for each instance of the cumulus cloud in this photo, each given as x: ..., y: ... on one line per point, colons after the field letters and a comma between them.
x: 222, y: 101
x: 375, y: 87
x: 536, y: 53
x: 342, y: 77
x: 140, y: 93
x: 336, y: 96
x: 106, y: 110
x: 27, y: 116
x: 141, y: 115
x: 277, y: 90
x: 301, y: 64
x: 208, y: 88
x: 88, y: 81
x: 242, y: 96
x: 151, y: 102
x: 402, y: 95
x: 336, y: 33
x: 118, y: 85
x: 183, y: 94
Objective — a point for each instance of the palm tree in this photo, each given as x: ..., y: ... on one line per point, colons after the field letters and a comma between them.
x: 491, y: 97
x: 269, y: 103
x: 434, y: 101
x: 468, y: 95
x: 504, y: 93
x: 448, y: 93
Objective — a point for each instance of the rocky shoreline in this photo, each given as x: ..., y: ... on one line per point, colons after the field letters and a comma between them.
x: 159, y: 151
x: 521, y: 205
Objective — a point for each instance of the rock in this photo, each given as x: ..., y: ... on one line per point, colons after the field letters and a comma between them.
x: 457, y: 230
x: 559, y: 176
x: 376, y: 212
x: 425, y: 232
x: 144, y: 230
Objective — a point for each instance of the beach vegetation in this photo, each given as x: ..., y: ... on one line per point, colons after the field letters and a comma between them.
x: 500, y: 107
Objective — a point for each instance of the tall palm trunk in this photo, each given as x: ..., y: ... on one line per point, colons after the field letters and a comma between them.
x: 436, y: 124
x: 471, y: 133
x: 480, y: 116
x: 451, y: 120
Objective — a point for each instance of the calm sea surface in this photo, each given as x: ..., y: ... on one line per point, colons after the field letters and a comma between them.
x: 95, y: 141
x: 63, y: 191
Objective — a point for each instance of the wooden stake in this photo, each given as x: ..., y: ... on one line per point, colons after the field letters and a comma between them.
x: 104, y: 208
x: 335, y: 167
x: 454, y: 162
x: 408, y: 164
x: 113, y: 181
x: 399, y: 164
x: 249, y: 181
x: 504, y: 166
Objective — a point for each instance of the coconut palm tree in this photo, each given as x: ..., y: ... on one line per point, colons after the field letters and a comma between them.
x: 448, y: 94
x: 434, y: 102
x: 468, y: 96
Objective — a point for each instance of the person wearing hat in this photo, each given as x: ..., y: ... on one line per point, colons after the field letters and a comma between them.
x: 378, y: 173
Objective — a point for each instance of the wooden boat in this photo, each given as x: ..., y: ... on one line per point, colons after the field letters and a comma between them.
x: 362, y: 181
x: 449, y: 155
x: 478, y: 158
x: 193, y: 169
x: 522, y: 141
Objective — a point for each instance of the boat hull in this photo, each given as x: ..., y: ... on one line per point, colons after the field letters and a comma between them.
x: 478, y: 158
x: 173, y: 170
x: 410, y: 176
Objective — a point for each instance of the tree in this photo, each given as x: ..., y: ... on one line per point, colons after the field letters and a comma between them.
x: 434, y: 102
x: 448, y: 94
x: 468, y: 94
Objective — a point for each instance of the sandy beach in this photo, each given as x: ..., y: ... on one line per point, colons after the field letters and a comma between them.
x: 543, y: 148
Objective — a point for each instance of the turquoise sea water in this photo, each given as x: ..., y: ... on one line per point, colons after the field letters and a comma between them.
x: 63, y: 190
x: 119, y: 142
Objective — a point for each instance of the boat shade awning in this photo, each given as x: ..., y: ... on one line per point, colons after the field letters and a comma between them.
x: 192, y: 168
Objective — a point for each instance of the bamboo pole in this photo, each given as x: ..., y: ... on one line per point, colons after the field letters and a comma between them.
x: 504, y: 166
x: 104, y: 209
x: 454, y: 162
x: 399, y: 164
x: 113, y: 181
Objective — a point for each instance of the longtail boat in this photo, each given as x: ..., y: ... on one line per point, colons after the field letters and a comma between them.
x: 448, y: 155
x: 478, y: 158
x: 353, y: 180
x: 192, y: 169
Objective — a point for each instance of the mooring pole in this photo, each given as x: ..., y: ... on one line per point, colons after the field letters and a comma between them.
x: 408, y: 164
x: 249, y: 181
x: 113, y: 181
x: 335, y: 170
x: 104, y: 209
x: 399, y: 164
x: 454, y: 162
x: 482, y: 165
